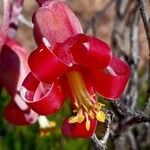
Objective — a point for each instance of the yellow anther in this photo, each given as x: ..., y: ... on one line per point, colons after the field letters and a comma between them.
x: 73, y: 119
x: 101, y: 116
x: 88, y: 125
x: 85, y: 102
x: 80, y: 116
x: 91, y: 114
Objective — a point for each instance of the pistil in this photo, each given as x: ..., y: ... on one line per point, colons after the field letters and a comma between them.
x: 86, y: 105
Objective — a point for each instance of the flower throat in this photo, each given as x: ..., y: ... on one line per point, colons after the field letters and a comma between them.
x: 86, y: 105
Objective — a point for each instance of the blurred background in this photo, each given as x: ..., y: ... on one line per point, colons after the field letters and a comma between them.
x: 119, y: 23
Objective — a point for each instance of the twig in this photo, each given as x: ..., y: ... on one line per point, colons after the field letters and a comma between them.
x: 130, y: 98
x: 119, y: 33
x: 137, y: 116
x: 146, y: 21
x: 132, y: 140
x: 106, y: 136
x: 101, y: 144
x: 98, y: 143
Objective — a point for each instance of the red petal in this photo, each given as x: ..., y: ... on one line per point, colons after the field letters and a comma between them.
x: 111, y: 82
x: 65, y: 87
x: 43, y: 99
x: 13, y: 66
x: 46, y: 66
x: 91, y: 52
x: 78, y: 129
x: 14, y: 115
x: 50, y: 22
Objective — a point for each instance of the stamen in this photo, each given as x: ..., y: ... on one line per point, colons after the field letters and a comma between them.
x: 91, y: 114
x: 77, y: 86
x: 76, y: 103
x: 86, y: 105
x: 80, y: 116
x: 87, y: 124
x: 73, y: 119
x: 98, y: 106
x: 101, y: 116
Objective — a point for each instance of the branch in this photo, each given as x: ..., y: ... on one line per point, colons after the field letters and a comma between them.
x: 119, y: 33
x: 130, y: 98
x: 98, y: 142
x: 146, y: 21
x: 128, y: 119
x: 137, y: 116
x: 101, y: 144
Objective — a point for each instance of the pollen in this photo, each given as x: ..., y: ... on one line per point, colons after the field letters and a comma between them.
x: 101, y: 116
x: 86, y: 105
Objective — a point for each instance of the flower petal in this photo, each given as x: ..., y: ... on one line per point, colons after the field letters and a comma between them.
x: 50, y: 22
x: 91, y: 52
x: 14, y: 115
x: 42, y: 98
x: 78, y: 129
x: 13, y: 66
x: 111, y: 82
x: 46, y: 66
x: 67, y: 89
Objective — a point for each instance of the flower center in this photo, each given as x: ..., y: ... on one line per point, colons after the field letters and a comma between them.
x: 86, y: 105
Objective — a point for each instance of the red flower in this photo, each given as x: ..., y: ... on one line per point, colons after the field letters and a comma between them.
x: 73, y: 65
x: 13, y: 69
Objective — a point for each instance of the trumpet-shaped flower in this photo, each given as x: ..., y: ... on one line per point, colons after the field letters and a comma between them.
x: 70, y: 63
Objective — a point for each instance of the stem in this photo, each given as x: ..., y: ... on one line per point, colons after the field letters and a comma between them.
x: 146, y: 21
x: 130, y: 99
